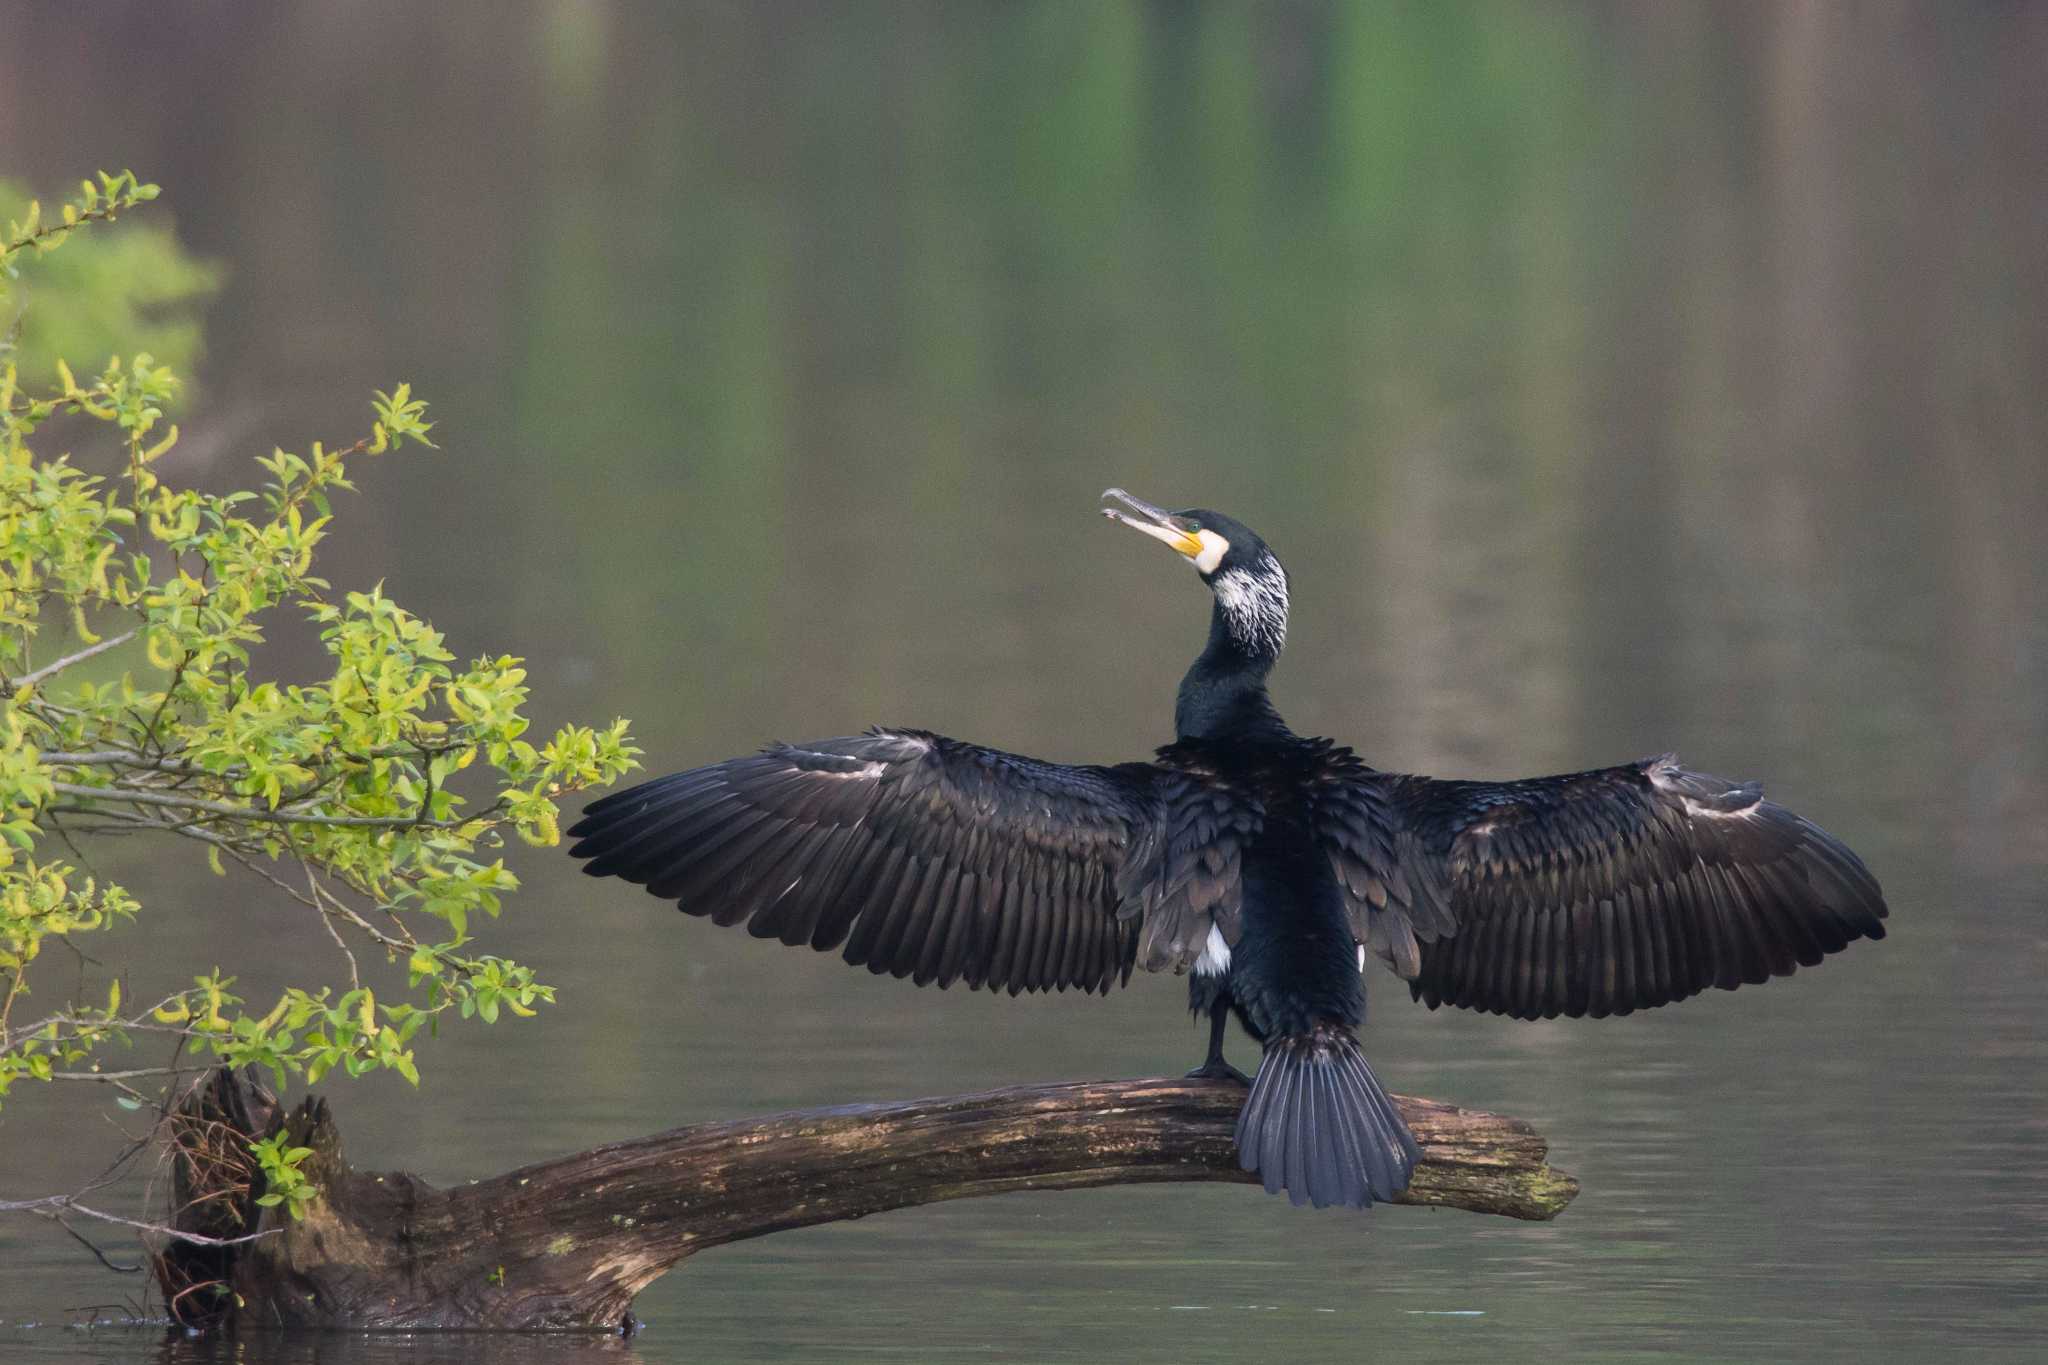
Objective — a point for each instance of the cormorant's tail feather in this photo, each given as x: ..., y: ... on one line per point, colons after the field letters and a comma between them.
x: 1318, y: 1126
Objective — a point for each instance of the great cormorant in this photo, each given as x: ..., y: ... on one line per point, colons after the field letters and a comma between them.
x: 1266, y: 864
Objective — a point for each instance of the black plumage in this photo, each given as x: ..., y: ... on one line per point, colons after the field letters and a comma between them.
x: 1268, y: 865
x: 923, y: 856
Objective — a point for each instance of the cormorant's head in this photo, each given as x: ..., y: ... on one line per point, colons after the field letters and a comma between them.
x: 1250, y: 585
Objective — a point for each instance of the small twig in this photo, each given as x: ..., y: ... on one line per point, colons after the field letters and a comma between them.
x: 172, y: 1306
x: 154, y: 798
x: 335, y: 905
x: 98, y: 1255
x: 83, y: 1029
x: 138, y: 822
x: 65, y: 834
x: 122, y: 756
x: 139, y: 1023
x: 50, y: 1205
x: 317, y: 902
x: 405, y: 942
x: 58, y: 230
x: 355, y: 981
x: 45, y: 704
x: 150, y: 731
x: 310, y: 795
x: 280, y: 883
x: 14, y: 989
x: 129, y: 758
x: 51, y: 670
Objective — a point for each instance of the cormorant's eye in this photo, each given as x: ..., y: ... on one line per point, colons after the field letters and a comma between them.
x: 1193, y: 525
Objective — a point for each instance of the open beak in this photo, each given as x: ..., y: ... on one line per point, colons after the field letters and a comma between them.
x: 1158, y: 524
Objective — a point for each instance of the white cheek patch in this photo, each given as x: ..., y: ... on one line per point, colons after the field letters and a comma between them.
x: 1214, y: 547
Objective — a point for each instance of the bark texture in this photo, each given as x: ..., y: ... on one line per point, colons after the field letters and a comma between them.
x: 568, y: 1243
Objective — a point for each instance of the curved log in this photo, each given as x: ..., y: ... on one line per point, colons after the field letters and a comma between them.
x: 568, y: 1243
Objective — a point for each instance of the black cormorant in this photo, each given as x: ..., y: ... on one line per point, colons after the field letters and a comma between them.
x: 1266, y: 864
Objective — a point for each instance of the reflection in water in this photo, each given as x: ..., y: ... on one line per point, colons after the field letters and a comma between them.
x: 1611, y: 380
x: 136, y: 1345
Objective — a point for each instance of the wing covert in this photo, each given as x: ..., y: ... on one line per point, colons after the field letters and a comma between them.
x: 1190, y: 882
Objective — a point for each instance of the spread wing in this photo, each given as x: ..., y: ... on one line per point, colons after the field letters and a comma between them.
x: 924, y: 856
x: 1590, y: 894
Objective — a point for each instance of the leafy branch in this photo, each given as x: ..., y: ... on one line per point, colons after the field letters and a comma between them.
x: 96, y: 203
x: 373, y: 798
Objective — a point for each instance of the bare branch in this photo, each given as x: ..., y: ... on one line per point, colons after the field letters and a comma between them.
x: 52, y: 670
x: 134, y: 821
x: 150, y: 732
x: 98, y: 1255
x: 144, y: 796
x: 130, y: 758
x: 140, y: 1022
x: 321, y: 900
x: 406, y: 942
x: 280, y: 883
x: 355, y: 980
x: 54, y: 1205
x: 124, y: 1075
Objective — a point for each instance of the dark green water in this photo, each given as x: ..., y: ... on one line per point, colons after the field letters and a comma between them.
x: 1611, y: 379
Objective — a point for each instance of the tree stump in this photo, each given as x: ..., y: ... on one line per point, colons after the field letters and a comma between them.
x: 568, y: 1243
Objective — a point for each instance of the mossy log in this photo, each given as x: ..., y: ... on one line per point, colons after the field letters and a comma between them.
x: 568, y: 1243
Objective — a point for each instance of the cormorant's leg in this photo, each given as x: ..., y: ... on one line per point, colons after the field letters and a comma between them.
x: 1215, y: 1068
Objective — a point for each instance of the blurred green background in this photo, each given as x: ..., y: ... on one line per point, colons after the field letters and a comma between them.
x: 1612, y: 378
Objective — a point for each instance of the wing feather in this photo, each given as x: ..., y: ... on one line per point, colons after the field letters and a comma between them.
x: 915, y: 855
x: 1205, y: 826
x: 1592, y: 893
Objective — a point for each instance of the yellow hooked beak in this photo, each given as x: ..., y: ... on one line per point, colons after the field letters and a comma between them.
x: 1159, y: 525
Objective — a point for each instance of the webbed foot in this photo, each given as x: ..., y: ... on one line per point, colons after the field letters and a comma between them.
x: 1216, y: 1069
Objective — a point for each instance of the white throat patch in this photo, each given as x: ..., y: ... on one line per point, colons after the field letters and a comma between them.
x: 1255, y: 604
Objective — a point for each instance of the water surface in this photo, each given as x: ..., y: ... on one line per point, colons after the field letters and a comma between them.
x: 1611, y: 379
